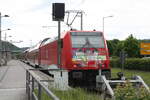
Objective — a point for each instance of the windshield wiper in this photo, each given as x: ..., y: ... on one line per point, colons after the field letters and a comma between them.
x: 88, y: 44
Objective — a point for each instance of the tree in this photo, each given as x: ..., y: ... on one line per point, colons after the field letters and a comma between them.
x: 131, y: 46
x: 112, y: 45
x: 119, y: 47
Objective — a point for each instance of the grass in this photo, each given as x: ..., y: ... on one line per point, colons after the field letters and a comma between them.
x: 71, y: 94
x: 44, y: 96
x: 130, y: 73
x: 76, y: 94
x: 81, y: 94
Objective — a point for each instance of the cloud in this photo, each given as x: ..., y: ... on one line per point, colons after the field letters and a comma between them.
x: 130, y: 16
x: 28, y: 16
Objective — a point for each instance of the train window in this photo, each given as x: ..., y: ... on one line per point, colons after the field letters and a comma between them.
x: 86, y: 33
x: 87, y: 40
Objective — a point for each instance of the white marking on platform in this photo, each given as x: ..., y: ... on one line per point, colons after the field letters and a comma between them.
x: 12, y: 89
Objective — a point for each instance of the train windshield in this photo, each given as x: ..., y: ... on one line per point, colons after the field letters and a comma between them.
x: 87, y: 40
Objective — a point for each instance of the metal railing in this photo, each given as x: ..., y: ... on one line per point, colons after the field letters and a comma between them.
x: 109, y: 90
x: 36, y: 93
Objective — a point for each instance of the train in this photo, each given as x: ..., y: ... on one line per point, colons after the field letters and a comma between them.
x: 84, y: 54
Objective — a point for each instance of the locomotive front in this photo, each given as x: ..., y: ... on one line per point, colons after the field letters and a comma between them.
x: 89, y: 55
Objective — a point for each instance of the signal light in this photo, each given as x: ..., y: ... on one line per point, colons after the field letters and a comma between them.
x: 58, y: 11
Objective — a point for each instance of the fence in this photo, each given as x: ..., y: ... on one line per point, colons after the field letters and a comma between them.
x: 31, y: 82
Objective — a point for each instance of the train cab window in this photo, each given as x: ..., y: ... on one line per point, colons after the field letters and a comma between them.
x: 87, y: 40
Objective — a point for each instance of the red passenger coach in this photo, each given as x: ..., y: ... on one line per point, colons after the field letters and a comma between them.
x: 83, y: 54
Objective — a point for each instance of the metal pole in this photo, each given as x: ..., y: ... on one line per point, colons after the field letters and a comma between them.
x: 5, y: 50
x: 123, y: 60
x: 104, y: 21
x: 32, y: 88
x: 0, y: 42
x: 103, y: 24
x: 26, y: 81
x: 81, y: 21
x: 59, y: 47
x: 39, y: 92
x: 29, y: 93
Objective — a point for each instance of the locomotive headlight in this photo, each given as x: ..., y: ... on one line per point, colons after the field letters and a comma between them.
x: 79, y: 63
x: 74, y: 66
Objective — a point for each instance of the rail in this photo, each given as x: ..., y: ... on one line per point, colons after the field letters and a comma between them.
x: 33, y: 81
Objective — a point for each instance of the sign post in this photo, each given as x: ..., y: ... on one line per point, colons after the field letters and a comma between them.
x: 122, y: 59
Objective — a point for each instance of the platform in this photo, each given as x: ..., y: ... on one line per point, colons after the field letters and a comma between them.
x: 13, y: 81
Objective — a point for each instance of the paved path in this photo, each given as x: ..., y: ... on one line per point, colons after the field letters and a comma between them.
x: 13, y: 81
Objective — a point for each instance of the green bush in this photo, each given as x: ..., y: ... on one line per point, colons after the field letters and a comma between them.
x: 126, y: 91
x: 115, y: 63
x: 132, y: 63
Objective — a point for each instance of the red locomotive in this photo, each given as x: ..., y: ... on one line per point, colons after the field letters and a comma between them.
x: 83, y: 54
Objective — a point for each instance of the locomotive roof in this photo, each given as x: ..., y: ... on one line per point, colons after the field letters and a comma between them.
x: 36, y: 47
x: 48, y: 40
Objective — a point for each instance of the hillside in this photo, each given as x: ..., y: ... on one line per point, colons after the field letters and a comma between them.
x: 24, y: 48
x: 10, y: 47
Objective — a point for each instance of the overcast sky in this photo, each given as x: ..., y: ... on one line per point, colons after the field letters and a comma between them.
x: 27, y: 18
